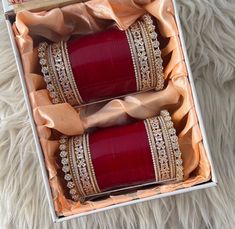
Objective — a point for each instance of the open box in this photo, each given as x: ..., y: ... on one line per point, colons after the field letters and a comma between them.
x: 212, y: 182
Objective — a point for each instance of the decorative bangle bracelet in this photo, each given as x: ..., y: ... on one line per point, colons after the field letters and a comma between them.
x: 93, y: 165
x: 77, y: 166
x: 164, y: 147
x: 146, y: 54
x: 72, y: 80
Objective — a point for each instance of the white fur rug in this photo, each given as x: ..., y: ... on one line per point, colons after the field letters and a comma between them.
x: 209, y: 26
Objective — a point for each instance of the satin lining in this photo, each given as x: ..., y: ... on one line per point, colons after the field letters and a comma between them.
x: 92, y: 16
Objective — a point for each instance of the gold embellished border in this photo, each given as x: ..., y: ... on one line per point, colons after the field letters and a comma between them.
x: 47, y: 71
x: 173, y: 141
x: 67, y: 169
x: 153, y: 146
x: 140, y: 60
x: 77, y: 166
x: 90, y: 168
x: 164, y: 147
x: 146, y: 54
x: 168, y: 146
x: 58, y: 75
x: 160, y: 156
x: 134, y: 56
x: 154, y: 46
x: 69, y: 70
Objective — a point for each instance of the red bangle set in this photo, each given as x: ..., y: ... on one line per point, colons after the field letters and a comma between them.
x: 113, y: 158
x: 104, y: 65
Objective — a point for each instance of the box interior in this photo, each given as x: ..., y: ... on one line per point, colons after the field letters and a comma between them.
x: 84, y: 18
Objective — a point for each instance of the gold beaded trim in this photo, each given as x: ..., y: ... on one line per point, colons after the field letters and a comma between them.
x: 134, y: 56
x: 170, y: 130
x: 146, y: 54
x: 48, y: 72
x: 70, y: 72
x: 58, y: 75
x: 159, y: 153
x: 141, y: 59
x: 78, y: 167
x: 90, y: 168
x: 150, y: 127
x: 164, y: 147
x: 168, y: 146
x: 156, y: 52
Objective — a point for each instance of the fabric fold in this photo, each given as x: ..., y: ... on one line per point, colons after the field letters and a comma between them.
x: 90, y: 17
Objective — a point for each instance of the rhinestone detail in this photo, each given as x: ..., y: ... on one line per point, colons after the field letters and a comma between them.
x: 146, y: 54
x: 66, y: 167
x: 164, y: 147
x: 47, y: 73
x: 77, y: 166
x: 174, y: 144
x: 57, y: 72
x: 156, y: 50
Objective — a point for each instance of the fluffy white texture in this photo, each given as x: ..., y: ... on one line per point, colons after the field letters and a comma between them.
x: 209, y: 28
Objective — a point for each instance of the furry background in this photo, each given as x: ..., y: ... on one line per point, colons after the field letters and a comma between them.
x: 209, y: 27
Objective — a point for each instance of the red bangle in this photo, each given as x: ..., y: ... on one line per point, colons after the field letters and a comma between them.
x: 113, y: 158
x: 104, y: 65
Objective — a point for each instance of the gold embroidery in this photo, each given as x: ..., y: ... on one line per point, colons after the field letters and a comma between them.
x: 160, y: 154
x: 58, y: 75
x: 174, y: 144
x: 78, y: 167
x: 146, y: 54
x: 156, y: 52
x: 164, y: 147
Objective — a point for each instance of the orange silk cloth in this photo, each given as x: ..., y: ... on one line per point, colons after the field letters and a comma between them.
x: 85, y: 18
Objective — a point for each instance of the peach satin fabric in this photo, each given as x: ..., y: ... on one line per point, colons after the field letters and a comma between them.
x: 89, y: 17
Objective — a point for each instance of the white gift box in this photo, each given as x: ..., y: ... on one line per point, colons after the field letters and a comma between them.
x: 9, y: 13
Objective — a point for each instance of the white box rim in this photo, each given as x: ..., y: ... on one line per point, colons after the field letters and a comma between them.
x: 194, y: 93
x: 55, y: 218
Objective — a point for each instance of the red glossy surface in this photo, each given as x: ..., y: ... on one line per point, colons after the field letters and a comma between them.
x: 121, y: 156
x: 102, y: 65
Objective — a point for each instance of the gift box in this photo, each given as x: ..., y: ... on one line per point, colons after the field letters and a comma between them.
x: 133, y: 111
